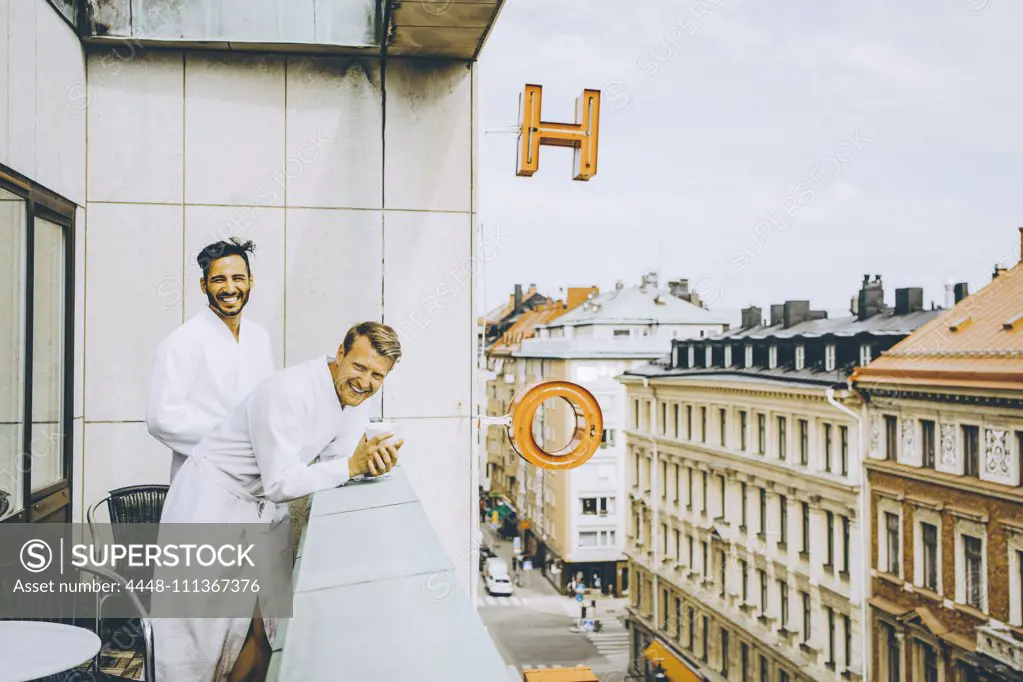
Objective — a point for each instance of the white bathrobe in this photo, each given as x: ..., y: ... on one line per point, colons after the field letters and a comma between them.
x: 246, y: 471
x: 199, y: 374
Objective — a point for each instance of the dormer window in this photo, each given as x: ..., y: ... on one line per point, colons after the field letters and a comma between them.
x: 748, y: 360
x: 674, y: 356
x: 865, y: 356
x: 708, y: 358
x: 692, y: 356
x: 772, y: 356
x: 829, y: 357
x: 728, y: 355
x: 800, y: 356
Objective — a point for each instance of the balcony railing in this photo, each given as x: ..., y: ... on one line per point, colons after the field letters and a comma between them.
x: 999, y: 644
x: 376, y: 597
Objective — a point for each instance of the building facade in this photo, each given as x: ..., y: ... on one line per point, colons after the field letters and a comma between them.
x: 944, y: 410
x: 130, y: 139
x: 744, y: 491
x: 576, y: 518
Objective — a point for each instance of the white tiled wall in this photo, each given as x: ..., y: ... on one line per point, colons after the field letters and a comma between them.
x: 288, y: 151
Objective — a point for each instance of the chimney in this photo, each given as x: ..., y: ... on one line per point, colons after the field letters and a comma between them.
x: 871, y: 298
x: 777, y: 314
x: 751, y: 317
x: 909, y: 300
x: 795, y: 312
x: 679, y: 288
x: 950, y: 298
x: 998, y: 270
x: 962, y: 290
x: 517, y: 307
x: 818, y: 315
x: 619, y: 285
x: 652, y: 278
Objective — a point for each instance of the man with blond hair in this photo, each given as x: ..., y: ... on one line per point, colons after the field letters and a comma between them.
x: 262, y: 457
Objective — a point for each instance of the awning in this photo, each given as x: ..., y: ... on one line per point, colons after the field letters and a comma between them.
x: 674, y: 667
x: 579, y: 674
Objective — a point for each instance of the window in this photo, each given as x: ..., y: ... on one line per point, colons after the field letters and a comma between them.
x: 930, y: 658
x: 705, y: 572
x: 589, y: 505
x: 762, y: 576
x: 800, y: 356
x: 865, y: 354
x: 36, y: 348
x: 929, y: 544
x: 742, y: 506
x: 762, y: 531
x: 743, y: 417
x: 761, y: 434
x: 692, y: 628
x: 588, y: 539
x: 782, y: 439
x: 804, y: 442
x: 635, y: 413
x: 689, y: 483
x: 724, y: 496
x: 845, y: 544
x: 783, y: 676
x: 891, y: 438
x: 706, y: 632
x: 748, y: 355
x: 664, y: 479
x: 689, y: 422
x: 805, y: 513
x: 894, y: 655
x: 830, y: 520
x: 847, y: 629
x: 745, y: 581
x: 971, y: 450
x: 722, y: 426
x: 765, y: 671
x: 678, y: 619
x: 724, y: 653
x: 783, y: 520
x: 664, y: 609
x: 843, y: 439
x: 831, y: 636
x: 783, y: 601
x: 607, y: 438
x: 827, y: 448
x: 664, y: 419
x: 829, y: 358
x: 772, y: 356
x: 635, y: 483
x: 621, y: 332
x: 664, y: 539
x: 678, y: 546
x: 703, y: 500
x: 927, y: 443
x: 703, y: 424
x: 692, y: 563
x: 744, y: 662
x: 807, y: 615
x: 974, y: 565
x: 674, y: 410
x: 891, y: 523
x: 722, y: 573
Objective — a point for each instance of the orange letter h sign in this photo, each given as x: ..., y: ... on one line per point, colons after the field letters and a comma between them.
x: 581, y: 135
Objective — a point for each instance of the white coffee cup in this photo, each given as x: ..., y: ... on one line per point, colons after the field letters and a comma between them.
x: 374, y: 429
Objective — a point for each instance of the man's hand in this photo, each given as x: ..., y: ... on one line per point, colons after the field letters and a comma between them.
x: 374, y: 457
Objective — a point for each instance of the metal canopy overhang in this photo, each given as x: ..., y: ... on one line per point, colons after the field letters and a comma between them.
x: 449, y: 29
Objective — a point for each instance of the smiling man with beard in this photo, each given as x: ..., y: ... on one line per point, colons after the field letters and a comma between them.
x: 299, y: 432
x: 210, y: 363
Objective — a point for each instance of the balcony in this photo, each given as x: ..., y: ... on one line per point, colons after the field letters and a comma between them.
x: 999, y: 643
x: 376, y: 593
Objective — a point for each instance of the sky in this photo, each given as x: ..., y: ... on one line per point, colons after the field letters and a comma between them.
x: 764, y: 151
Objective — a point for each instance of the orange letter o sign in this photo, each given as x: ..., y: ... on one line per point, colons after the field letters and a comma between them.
x: 589, y: 424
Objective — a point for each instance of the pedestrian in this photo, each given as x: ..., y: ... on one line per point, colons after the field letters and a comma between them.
x: 596, y: 582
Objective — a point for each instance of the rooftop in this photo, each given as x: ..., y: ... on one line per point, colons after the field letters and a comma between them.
x: 643, y: 304
x: 978, y: 343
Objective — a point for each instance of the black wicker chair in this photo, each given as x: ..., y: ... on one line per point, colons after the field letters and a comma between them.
x: 135, y: 627
x: 131, y: 504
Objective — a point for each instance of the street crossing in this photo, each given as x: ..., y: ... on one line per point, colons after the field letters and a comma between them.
x: 612, y: 641
x: 487, y: 600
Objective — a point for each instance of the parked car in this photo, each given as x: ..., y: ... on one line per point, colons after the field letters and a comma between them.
x: 495, y: 566
x: 499, y: 584
x: 485, y: 553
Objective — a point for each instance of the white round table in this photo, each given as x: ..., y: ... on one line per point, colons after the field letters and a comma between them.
x: 31, y: 649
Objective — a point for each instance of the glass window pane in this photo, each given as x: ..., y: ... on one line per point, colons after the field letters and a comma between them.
x: 48, y: 355
x: 13, y: 216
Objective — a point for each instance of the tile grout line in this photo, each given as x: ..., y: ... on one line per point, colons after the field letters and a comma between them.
x: 284, y: 285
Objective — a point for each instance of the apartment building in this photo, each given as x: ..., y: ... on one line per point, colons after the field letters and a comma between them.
x: 576, y: 519
x: 945, y: 415
x: 745, y: 514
